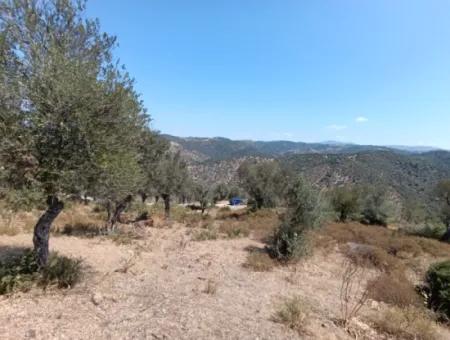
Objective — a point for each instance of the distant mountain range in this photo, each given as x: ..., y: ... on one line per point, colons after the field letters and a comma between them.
x: 410, y: 172
x: 219, y: 148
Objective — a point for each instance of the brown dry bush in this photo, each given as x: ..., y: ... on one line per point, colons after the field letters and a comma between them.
x: 79, y: 220
x: 409, y: 323
x: 234, y: 229
x: 207, y: 234
x: 293, y: 313
x: 259, y: 261
x: 374, y: 257
x: 394, y: 289
x: 395, y: 243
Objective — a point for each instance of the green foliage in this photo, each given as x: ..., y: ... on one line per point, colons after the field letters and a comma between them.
x: 303, y: 213
x: 18, y: 273
x: 377, y: 208
x: 220, y: 192
x: 438, y: 279
x: 21, y: 272
x: 170, y: 174
x: 443, y: 193
x: 203, y: 195
x: 414, y: 212
x: 428, y: 229
x: 61, y: 271
x: 265, y: 182
x: 345, y: 201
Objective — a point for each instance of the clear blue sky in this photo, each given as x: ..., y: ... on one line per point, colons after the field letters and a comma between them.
x: 291, y: 69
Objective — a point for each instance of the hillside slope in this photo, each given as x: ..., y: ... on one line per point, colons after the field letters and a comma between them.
x: 410, y: 175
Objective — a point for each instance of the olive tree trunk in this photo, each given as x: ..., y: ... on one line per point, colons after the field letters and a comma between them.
x: 42, y: 229
x: 166, y: 199
x: 113, y: 217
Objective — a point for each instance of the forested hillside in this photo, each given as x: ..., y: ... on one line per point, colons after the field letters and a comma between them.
x: 411, y: 175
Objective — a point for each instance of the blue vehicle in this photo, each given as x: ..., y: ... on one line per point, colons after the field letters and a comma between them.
x: 236, y: 201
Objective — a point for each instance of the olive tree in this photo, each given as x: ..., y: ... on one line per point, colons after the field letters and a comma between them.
x: 77, y: 112
x: 265, y: 182
x: 203, y: 195
x: 170, y: 177
x: 304, y: 213
x: 345, y: 201
x: 443, y: 194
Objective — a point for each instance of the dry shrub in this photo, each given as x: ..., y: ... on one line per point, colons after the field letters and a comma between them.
x: 394, y: 289
x: 234, y: 229
x: 196, y: 220
x: 121, y: 237
x: 353, y: 293
x: 259, y: 261
x: 408, y: 323
x: 227, y: 214
x: 263, y: 224
x: 394, y: 242
x: 293, y: 313
x: 209, y: 233
x: 79, y: 220
x: 211, y: 287
x: 13, y: 223
x: 260, y: 224
x: 374, y: 257
x: 8, y: 229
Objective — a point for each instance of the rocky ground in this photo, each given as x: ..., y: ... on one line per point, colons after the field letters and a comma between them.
x: 167, y: 286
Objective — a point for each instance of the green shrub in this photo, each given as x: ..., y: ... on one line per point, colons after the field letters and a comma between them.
x: 291, y: 239
x: 428, y: 230
x: 377, y: 208
x: 438, y: 280
x: 61, y: 271
x: 21, y: 272
x: 293, y: 313
x: 18, y: 273
x: 345, y: 203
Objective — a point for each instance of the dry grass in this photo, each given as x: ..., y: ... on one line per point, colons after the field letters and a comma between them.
x: 234, y: 229
x: 79, y: 220
x: 394, y: 289
x: 124, y: 237
x: 259, y: 261
x: 211, y: 287
x: 293, y: 313
x: 374, y: 257
x: 207, y: 234
x: 410, y: 323
x: 260, y: 224
x: 393, y: 242
x: 13, y: 223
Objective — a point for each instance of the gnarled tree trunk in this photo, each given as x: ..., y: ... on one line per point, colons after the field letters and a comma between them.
x: 166, y: 199
x: 113, y: 217
x: 42, y: 229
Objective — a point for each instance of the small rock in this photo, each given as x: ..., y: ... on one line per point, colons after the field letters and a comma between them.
x: 31, y: 333
x: 97, y: 299
x: 374, y: 305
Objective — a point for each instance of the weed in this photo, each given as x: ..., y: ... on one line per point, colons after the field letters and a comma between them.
x: 394, y: 289
x: 259, y: 261
x: 21, y: 272
x: 211, y: 287
x: 293, y: 313
x: 210, y: 233
x: 408, y: 323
